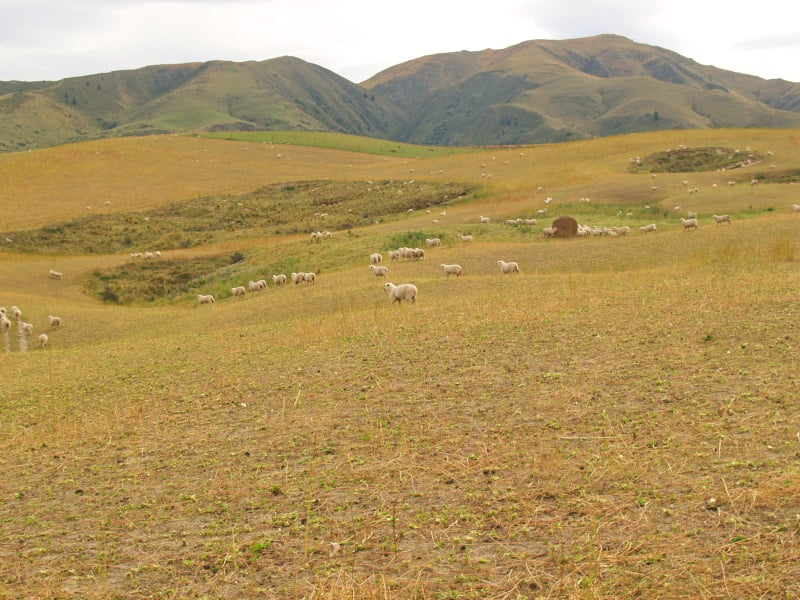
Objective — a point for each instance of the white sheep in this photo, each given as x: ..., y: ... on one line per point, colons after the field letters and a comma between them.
x: 648, y: 228
x: 508, y: 267
x: 486, y: 219
x: 55, y: 274
x: 404, y: 291
x: 394, y: 254
x: 379, y: 271
x: 375, y: 258
x: 205, y: 299
x: 622, y: 231
x: 721, y: 219
x: 310, y: 278
x: 689, y: 224
x: 298, y: 278
x: 451, y: 269
x: 43, y: 340
x: 55, y: 322
x: 431, y: 242
x: 5, y: 324
x: 16, y: 313
x: 279, y: 279
x: 465, y: 238
x: 795, y: 207
x: 259, y: 285
x: 691, y: 215
x: 549, y: 232
x: 238, y: 291
x: 27, y: 328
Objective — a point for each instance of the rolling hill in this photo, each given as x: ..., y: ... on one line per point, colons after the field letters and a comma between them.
x: 533, y: 92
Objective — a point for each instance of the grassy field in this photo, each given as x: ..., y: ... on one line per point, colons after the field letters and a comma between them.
x: 619, y: 420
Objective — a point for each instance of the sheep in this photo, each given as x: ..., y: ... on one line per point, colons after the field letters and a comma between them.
x: 795, y: 207
x: 5, y: 324
x: 259, y: 285
x: 648, y: 228
x: 379, y: 271
x: 431, y: 242
x: 298, y: 278
x: 549, y: 232
x: 404, y: 291
x: 394, y: 254
x: 622, y: 231
x: 238, y: 291
x: 486, y: 219
x: 375, y: 258
x: 451, y: 269
x: 279, y: 279
x: 465, y: 238
x: 55, y: 322
x: 55, y: 274
x: 205, y: 299
x: 43, y: 340
x: 689, y: 224
x: 16, y: 313
x: 310, y: 278
x: 417, y: 254
x: 508, y: 267
x: 721, y: 219
x: 691, y: 215
x: 26, y: 328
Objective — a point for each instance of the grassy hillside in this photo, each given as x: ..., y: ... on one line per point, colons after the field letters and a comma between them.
x: 617, y: 420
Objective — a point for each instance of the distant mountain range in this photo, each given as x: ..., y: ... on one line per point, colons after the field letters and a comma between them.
x: 533, y: 92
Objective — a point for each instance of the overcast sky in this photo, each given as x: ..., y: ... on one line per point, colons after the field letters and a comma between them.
x: 54, y: 39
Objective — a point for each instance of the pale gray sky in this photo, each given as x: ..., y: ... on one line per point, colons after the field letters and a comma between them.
x: 54, y: 39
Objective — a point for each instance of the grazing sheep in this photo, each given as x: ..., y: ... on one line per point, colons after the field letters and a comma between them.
x: 279, y: 279
x: 43, y: 340
x: 238, y: 291
x: 298, y: 278
x: 549, y: 232
x: 451, y: 269
x: 465, y: 238
x: 691, y: 215
x: 27, y: 328
x: 205, y: 299
x: 417, y: 254
x: 508, y: 267
x: 404, y: 291
x: 16, y: 313
x: 431, y: 242
x: 55, y: 322
x: 394, y: 254
x: 379, y: 271
x: 310, y: 278
x: 486, y: 220
x: 721, y: 219
x: 622, y: 231
x: 5, y: 324
x: 55, y: 274
x: 259, y: 285
x: 375, y: 258
x: 689, y: 224
x: 648, y: 228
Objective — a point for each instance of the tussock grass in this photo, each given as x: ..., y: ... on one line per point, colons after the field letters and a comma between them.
x: 617, y: 420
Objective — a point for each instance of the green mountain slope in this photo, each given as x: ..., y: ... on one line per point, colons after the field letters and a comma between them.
x: 533, y: 92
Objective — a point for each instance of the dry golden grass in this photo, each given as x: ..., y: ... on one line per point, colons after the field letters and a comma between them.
x: 619, y: 420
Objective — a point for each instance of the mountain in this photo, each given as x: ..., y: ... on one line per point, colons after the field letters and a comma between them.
x: 533, y: 92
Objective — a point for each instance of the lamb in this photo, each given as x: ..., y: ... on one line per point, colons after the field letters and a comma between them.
x: 648, y: 228
x: 375, y: 258
x: 279, y: 279
x: 404, y: 291
x: 431, y: 242
x: 55, y: 322
x: 549, y: 232
x: 379, y: 271
x: 451, y: 269
x: 43, y: 340
x: 721, y: 219
x: 508, y: 267
x: 689, y: 224
x: 465, y: 238
x: 238, y: 291
x: 205, y: 299
x: 486, y: 220
x: 55, y: 274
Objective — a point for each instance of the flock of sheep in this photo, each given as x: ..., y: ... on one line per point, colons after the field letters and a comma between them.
x: 24, y: 330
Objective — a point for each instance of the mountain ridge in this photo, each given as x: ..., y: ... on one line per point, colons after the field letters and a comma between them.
x: 532, y: 92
